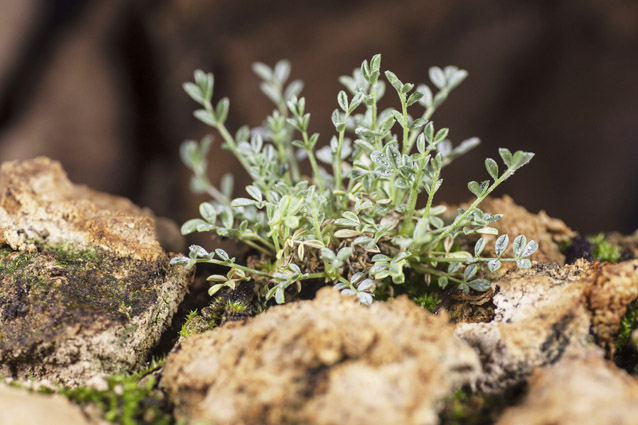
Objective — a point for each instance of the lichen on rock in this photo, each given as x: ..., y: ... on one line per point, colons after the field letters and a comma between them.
x: 85, y: 287
x: 325, y: 361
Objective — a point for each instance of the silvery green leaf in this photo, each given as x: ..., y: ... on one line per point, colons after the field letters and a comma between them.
x: 207, y: 211
x: 295, y: 268
x: 480, y: 245
x: 493, y: 265
x: 180, y: 260
x: 216, y: 278
x: 392, y: 79
x: 328, y: 255
x: 241, y: 202
x: 254, y: 192
x: 441, y: 135
x: 282, y: 71
x: 346, y: 233
x: 191, y: 226
x: 492, y: 168
x: 361, y: 240
x: 365, y: 285
x: 398, y: 116
x: 262, y: 70
x: 428, y: 131
x: 443, y: 282
x: 375, y: 62
x: 194, y: 92
x: 437, y: 77
x: 294, y: 89
x: 271, y: 92
x: 324, y: 155
x: 521, y: 158
x: 405, y: 88
x: 365, y: 298
x: 376, y: 269
x: 344, y: 253
x: 196, y: 251
x: 530, y: 248
x: 464, y: 288
x: 479, y: 285
x: 215, y: 288
x: 453, y: 268
x: 341, y: 285
x: 437, y: 210
x: 222, y: 254
x: 356, y: 277
x: 501, y: 245
x: 414, y: 97
x: 456, y: 77
x: 351, y: 216
x: 380, y: 258
x: 470, y: 271
x: 226, y: 217
x: 436, y: 222
x: 348, y: 291
x: 487, y: 231
x: 221, y: 112
x: 205, y: 117
x: 279, y: 295
x: 271, y: 292
x: 519, y: 245
x: 344, y: 222
x: 400, y: 183
x: 524, y: 263
x: 474, y: 188
x: 426, y: 99
x: 342, y: 100
x: 466, y: 145
x: 506, y: 155
x: 420, y: 143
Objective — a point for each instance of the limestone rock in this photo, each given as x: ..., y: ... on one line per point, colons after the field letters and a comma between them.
x: 540, y: 314
x: 326, y: 361
x: 85, y: 288
x: 584, y: 391
x: 546, y: 312
x: 22, y: 407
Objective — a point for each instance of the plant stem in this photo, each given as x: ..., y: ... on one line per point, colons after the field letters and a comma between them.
x: 406, y: 227
x: 313, y: 161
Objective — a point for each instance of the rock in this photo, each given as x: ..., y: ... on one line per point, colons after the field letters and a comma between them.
x: 582, y: 391
x: 22, y: 407
x: 326, y: 361
x: 85, y: 287
x: 546, y: 312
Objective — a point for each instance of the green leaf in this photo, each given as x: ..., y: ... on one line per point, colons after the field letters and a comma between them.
x: 420, y: 143
x: 392, y: 79
x: 530, y: 248
x: 519, y: 245
x: 480, y: 245
x: 426, y: 99
x: 429, y: 132
x: 254, y: 192
x: 443, y: 282
x: 506, y: 155
x: 205, y: 117
x: 351, y: 216
x: 241, y: 202
x: 344, y: 253
x: 474, y: 188
x: 194, y: 92
x: 479, y: 285
x: 207, y: 211
x: 521, y: 158
x: 192, y: 226
x: 215, y: 288
x: 437, y: 76
x: 493, y: 265
x: 441, y: 135
x: 470, y: 271
x: 221, y: 112
x: 342, y: 99
x: 222, y: 254
x: 453, y: 268
x: 524, y: 263
x: 414, y: 97
x: 365, y: 285
x: 217, y: 278
x: 492, y: 168
x: 279, y: 295
x: 282, y: 71
x: 262, y: 70
x: 501, y: 245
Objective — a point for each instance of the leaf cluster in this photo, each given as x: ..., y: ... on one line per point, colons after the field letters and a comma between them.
x: 357, y: 213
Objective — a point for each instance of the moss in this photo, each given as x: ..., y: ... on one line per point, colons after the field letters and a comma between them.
x: 129, y: 399
x: 603, y: 250
x: 188, y: 328
x: 467, y: 408
x: 424, y: 295
x: 628, y: 323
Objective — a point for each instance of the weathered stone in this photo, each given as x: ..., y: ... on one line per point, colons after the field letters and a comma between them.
x: 85, y: 287
x: 582, y: 391
x: 22, y: 407
x: 326, y: 361
x: 548, y: 311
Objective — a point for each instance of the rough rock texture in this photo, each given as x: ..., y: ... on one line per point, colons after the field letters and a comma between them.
x: 326, y: 361
x: 547, y: 231
x: 22, y: 407
x: 584, y: 391
x: 615, y: 287
x: 548, y: 311
x: 84, y: 286
x: 40, y: 206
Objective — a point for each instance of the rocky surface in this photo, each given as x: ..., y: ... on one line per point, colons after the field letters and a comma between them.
x: 85, y: 287
x: 546, y: 312
x: 582, y: 391
x: 19, y: 406
x: 326, y: 361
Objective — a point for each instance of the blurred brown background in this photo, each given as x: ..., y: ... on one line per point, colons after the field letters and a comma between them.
x: 97, y: 85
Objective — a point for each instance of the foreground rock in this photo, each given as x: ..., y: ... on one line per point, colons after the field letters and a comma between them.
x: 22, y: 407
x: 85, y: 287
x: 584, y: 391
x: 326, y: 361
x: 548, y: 311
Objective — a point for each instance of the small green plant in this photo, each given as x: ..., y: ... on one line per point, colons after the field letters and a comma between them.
x: 355, y: 221
x: 188, y: 328
x: 604, y: 250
